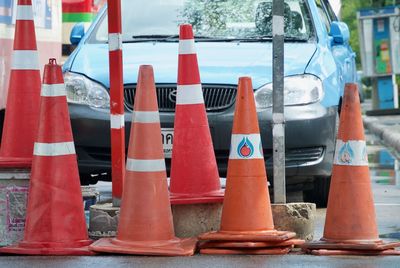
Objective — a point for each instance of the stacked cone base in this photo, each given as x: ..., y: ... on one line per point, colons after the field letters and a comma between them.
x: 78, y: 248
x: 173, y: 247
x: 351, y: 248
x: 246, y: 251
x: 258, y: 243
x: 213, y: 197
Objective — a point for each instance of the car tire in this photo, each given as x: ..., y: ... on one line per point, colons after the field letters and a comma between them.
x: 319, y: 195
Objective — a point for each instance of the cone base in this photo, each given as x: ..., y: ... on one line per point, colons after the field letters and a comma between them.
x: 80, y: 248
x: 246, y: 244
x: 351, y: 246
x: 328, y: 252
x: 256, y: 236
x: 15, y: 162
x: 212, y: 197
x: 173, y: 247
x: 246, y: 251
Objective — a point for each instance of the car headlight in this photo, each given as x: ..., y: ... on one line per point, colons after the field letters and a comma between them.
x: 298, y: 90
x: 82, y: 90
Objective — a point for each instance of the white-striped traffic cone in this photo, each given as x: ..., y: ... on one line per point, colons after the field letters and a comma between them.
x: 22, y: 113
x: 55, y: 221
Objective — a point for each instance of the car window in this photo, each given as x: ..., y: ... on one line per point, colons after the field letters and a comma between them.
x: 223, y: 19
x: 323, y: 15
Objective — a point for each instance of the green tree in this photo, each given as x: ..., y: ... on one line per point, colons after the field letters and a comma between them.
x: 349, y: 16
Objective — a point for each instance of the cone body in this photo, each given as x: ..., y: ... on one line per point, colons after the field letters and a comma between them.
x: 22, y: 114
x: 55, y: 221
x: 247, y: 204
x: 145, y: 223
x: 194, y: 172
x: 350, y: 212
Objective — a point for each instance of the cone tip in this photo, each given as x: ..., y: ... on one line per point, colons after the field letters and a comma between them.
x: 185, y: 31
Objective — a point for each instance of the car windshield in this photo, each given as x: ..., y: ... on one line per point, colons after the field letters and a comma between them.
x: 218, y: 20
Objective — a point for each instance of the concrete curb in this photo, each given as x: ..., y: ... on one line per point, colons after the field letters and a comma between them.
x: 390, y: 134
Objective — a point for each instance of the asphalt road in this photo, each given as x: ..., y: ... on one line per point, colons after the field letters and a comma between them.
x: 385, y: 177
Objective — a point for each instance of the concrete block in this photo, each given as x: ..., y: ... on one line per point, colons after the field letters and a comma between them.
x: 295, y: 217
x: 14, y: 185
x: 103, y: 221
x: 191, y: 220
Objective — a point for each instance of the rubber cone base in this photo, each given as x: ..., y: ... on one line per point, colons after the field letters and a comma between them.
x: 80, y: 248
x: 246, y: 251
x: 174, y: 247
x: 357, y: 246
x: 234, y: 244
x: 259, y: 236
x: 213, y: 197
x: 15, y: 162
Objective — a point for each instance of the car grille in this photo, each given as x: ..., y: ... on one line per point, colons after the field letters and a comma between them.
x: 216, y: 97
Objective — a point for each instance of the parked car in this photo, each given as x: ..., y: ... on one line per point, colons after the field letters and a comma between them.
x: 233, y: 39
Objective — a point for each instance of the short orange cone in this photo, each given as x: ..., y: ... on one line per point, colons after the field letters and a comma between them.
x: 246, y: 214
x: 194, y: 171
x: 350, y: 225
x: 145, y: 223
x: 55, y: 221
x: 22, y: 113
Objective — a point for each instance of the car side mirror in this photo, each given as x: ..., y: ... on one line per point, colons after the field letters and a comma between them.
x: 339, y: 32
x: 77, y: 32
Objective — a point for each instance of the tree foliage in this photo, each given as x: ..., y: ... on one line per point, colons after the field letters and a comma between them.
x: 349, y: 15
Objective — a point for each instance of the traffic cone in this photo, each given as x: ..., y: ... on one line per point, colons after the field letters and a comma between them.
x: 194, y: 172
x: 246, y: 213
x: 145, y: 224
x: 55, y: 221
x: 350, y: 225
x: 22, y: 113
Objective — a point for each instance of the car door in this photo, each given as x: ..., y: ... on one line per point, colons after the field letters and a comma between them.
x: 342, y: 53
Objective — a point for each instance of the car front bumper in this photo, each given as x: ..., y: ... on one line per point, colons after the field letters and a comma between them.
x: 309, y: 140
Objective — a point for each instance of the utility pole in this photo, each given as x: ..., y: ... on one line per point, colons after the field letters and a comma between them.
x: 278, y: 117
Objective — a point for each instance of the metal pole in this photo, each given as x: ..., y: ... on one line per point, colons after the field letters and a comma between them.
x: 117, y: 100
x: 278, y: 118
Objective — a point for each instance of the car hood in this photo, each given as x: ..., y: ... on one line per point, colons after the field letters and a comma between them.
x: 220, y: 62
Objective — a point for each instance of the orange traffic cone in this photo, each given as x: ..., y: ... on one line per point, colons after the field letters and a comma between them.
x: 22, y: 114
x: 246, y: 214
x: 145, y: 223
x: 194, y: 172
x: 350, y: 225
x: 55, y: 221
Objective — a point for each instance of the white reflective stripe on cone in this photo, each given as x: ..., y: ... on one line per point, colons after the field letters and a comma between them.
x: 54, y: 149
x: 351, y: 153
x: 53, y: 90
x: 186, y: 47
x: 114, y: 41
x: 25, y: 60
x: 117, y: 121
x: 24, y: 12
x: 145, y: 165
x: 189, y: 94
x: 246, y: 146
x: 146, y: 117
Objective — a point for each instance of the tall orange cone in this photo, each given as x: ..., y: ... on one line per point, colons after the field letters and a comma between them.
x: 194, y: 172
x: 350, y: 225
x: 55, y: 221
x: 145, y: 224
x: 246, y: 214
x: 22, y: 113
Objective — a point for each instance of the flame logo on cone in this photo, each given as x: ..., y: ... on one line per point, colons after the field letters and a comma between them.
x: 245, y: 148
x: 346, y: 154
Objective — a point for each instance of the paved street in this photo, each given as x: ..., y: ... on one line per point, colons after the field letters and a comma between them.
x: 385, y: 176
